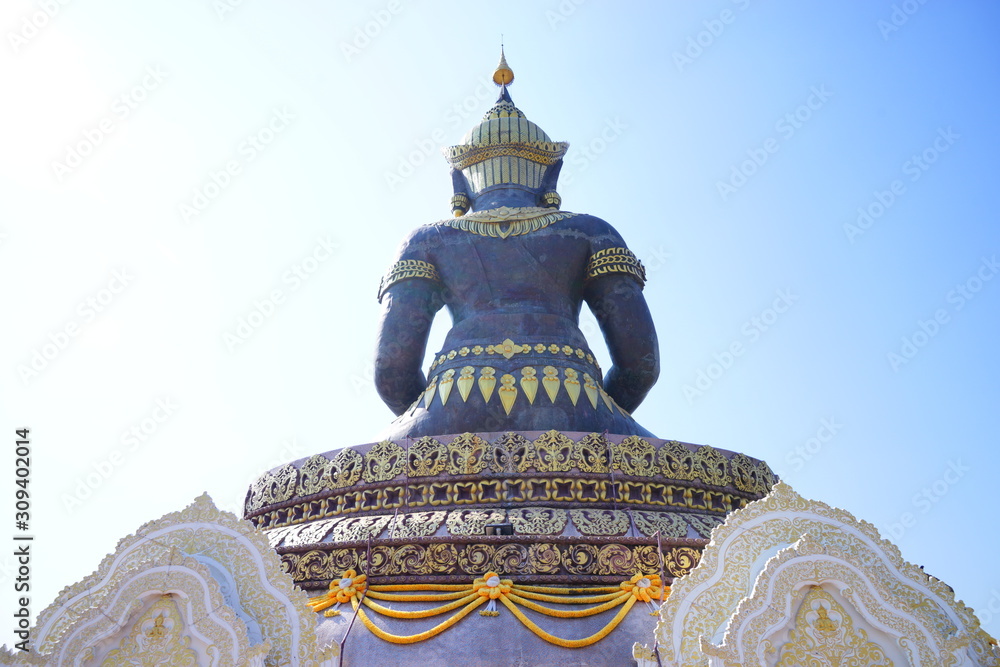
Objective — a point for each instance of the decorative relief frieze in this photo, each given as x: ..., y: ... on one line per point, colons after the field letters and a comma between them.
x: 789, y: 581
x: 510, y: 453
x: 458, y: 560
x: 383, y: 461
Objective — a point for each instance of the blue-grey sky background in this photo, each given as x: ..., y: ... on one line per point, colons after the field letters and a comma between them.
x: 731, y: 143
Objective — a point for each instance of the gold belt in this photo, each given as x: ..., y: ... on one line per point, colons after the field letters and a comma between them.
x: 509, y: 348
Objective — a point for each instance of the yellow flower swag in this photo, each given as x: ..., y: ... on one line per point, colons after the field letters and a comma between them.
x: 489, y: 589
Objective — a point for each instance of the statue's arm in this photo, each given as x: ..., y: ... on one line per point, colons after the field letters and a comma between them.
x: 614, y: 294
x: 401, y: 340
x: 411, y: 294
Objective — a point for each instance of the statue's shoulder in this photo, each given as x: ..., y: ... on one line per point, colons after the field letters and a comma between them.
x: 599, y: 232
x: 420, y: 241
x: 585, y: 222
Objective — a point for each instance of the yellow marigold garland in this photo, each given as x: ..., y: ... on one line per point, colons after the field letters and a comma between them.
x: 421, y: 587
x: 590, y: 599
x: 427, y: 634
x: 437, y: 597
x: 346, y: 588
x: 571, y: 643
x: 645, y: 587
x: 489, y: 587
x: 420, y: 613
x: 569, y: 613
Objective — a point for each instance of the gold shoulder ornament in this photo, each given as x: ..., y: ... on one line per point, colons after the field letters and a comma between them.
x: 406, y: 269
x: 616, y: 260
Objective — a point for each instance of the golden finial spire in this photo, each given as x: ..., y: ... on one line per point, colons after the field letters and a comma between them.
x: 504, y: 75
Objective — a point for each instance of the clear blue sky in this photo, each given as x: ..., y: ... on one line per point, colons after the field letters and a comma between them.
x: 832, y: 161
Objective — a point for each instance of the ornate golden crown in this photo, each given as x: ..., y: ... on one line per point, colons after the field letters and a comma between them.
x: 505, y: 132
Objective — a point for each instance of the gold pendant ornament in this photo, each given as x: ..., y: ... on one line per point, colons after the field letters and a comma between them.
x: 444, y: 388
x: 572, y: 385
x: 551, y: 382
x: 529, y: 383
x: 465, y: 381
x: 487, y: 382
x: 591, y: 388
x: 429, y: 392
x: 507, y: 392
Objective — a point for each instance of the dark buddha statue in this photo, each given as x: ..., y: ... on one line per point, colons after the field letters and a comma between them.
x: 513, y: 271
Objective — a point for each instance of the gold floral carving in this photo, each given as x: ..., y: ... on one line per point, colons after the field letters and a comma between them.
x: 636, y: 456
x: 309, y: 533
x: 153, y: 559
x: 711, y: 466
x: 825, y: 636
x: 668, y: 525
x: 473, y: 521
x: 814, y: 543
x: 314, y: 475
x: 276, y: 535
x: 356, y: 529
x: 426, y: 457
x: 467, y: 455
x: 284, y: 483
x: 346, y: 468
x: 615, y: 559
x: 643, y: 654
x: 551, y: 452
x: 512, y: 452
x: 475, y: 558
x: 438, y: 492
x: 259, y: 493
x: 442, y: 559
x: 415, y: 524
x: 581, y: 559
x: 156, y: 639
x: 675, y: 461
x: 751, y: 476
x: 703, y: 525
x: 679, y: 561
x: 600, y: 522
x: 592, y: 453
x: 554, y: 451
x: 544, y: 559
x: 537, y: 520
x: 384, y: 461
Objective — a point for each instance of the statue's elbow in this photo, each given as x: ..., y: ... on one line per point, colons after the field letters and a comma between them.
x: 649, y: 367
x: 396, y: 385
x: 653, y: 367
